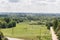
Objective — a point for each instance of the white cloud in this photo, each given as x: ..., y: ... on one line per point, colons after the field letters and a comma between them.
x: 15, y: 1
x: 30, y: 6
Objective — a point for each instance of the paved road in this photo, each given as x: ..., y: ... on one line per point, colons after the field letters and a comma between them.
x: 54, y: 37
x: 13, y: 38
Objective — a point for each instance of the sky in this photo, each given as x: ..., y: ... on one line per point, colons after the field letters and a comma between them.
x: 32, y: 6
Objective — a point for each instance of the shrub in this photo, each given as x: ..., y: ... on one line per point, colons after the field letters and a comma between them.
x: 55, y: 24
x: 4, y: 25
x: 1, y: 35
x: 40, y: 23
x: 49, y: 24
x: 7, y: 20
x: 58, y: 34
x: 5, y: 38
x: 12, y: 24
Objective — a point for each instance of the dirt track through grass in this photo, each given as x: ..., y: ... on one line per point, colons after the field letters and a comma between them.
x: 26, y: 31
x: 54, y: 37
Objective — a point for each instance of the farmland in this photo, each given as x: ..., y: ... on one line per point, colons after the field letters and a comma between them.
x: 29, y: 26
x: 26, y: 31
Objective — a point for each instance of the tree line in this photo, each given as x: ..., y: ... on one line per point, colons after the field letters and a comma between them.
x: 56, y: 26
x: 7, y: 22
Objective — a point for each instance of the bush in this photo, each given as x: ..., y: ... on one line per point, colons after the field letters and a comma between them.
x: 57, y: 27
x: 5, y: 38
x: 1, y: 35
x: 17, y: 21
x: 12, y: 24
x: 49, y: 24
x: 34, y: 23
x: 4, y: 25
x: 40, y: 23
x: 58, y: 34
x: 55, y: 24
x: 7, y: 20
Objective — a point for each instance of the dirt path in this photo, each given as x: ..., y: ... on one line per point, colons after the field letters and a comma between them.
x: 13, y: 38
x: 54, y: 37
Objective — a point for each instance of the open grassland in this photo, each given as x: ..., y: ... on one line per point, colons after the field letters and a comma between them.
x: 28, y: 32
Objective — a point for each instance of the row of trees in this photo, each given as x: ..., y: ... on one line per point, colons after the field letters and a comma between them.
x: 56, y: 26
x: 7, y: 23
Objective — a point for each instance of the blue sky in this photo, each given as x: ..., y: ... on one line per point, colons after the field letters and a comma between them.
x: 34, y: 6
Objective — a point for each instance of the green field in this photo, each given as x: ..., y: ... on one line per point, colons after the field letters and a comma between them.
x: 28, y: 32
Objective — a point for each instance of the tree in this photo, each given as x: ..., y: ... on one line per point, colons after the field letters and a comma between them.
x: 7, y: 20
x: 12, y: 24
x: 58, y: 28
x: 0, y: 26
x: 55, y: 23
x: 49, y: 24
x: 4, y: 25
x: 1, y: 35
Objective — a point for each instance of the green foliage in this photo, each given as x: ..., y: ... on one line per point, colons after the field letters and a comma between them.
x: 7, y: 23
x: 5, y: 38
x: 4, y: 25
x: 49, y: 24
x: 57, y: 27
x: 55, y: 23
x: 24, y: 30
x: 12, y: 24
x: 18, y: 20
x: 36, y: 23
x: 40, y: 23
x: 7, y: 20
x: 0, y: 24
x: 1, y: 36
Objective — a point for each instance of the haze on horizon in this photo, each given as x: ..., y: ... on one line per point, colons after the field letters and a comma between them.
x: 32, y: 6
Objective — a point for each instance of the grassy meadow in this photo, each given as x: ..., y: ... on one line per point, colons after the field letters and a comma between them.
x: 28, y: 32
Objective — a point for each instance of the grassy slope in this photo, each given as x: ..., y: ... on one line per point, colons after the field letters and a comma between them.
x: 24, y: 30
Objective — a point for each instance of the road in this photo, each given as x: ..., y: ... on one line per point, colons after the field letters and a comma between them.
x: 54, y: 37
x: 13, y: 38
